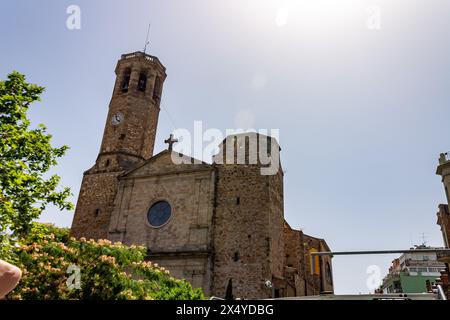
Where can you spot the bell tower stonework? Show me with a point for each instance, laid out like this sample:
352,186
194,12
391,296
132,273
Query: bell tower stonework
218,225
128,140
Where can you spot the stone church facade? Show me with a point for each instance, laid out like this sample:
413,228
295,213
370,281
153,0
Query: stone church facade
220,225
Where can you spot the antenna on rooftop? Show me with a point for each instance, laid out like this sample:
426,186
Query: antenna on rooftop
146,39
424,242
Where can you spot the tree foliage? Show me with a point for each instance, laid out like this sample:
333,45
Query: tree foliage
26,156
49,260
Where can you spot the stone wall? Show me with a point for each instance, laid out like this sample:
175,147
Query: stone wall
444,222
95,204
326,273
297,248
125,144
312,275
140,109
276,223
242,235
318,279
248,224
227,220
183,244
294,261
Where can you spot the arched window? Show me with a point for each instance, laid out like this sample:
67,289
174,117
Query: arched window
157,89
142,84
126,80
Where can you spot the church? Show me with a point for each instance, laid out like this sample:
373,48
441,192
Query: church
218,225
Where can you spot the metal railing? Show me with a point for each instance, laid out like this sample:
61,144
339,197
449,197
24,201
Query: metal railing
337,253
440,292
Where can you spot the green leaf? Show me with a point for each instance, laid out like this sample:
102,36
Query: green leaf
26,156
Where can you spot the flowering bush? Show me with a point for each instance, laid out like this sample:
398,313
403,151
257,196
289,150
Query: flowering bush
56,266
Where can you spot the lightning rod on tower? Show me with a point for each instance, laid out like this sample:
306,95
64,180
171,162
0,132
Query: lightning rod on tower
146,39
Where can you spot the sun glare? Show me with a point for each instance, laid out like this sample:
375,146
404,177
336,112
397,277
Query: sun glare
282,17
317,12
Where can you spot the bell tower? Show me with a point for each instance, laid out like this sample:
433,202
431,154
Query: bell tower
128,140
130,127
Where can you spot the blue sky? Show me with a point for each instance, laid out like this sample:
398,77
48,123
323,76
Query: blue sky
363,114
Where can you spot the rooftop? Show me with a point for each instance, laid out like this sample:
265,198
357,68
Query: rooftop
139,54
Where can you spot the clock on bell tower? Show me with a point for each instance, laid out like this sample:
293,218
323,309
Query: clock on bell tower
130,129
128,139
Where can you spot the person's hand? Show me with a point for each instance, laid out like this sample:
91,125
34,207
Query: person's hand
9,277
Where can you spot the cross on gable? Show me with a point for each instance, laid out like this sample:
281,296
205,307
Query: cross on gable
170,141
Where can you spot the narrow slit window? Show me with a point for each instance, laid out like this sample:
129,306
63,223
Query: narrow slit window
142,84
157,89
447,194
126,81
236,256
